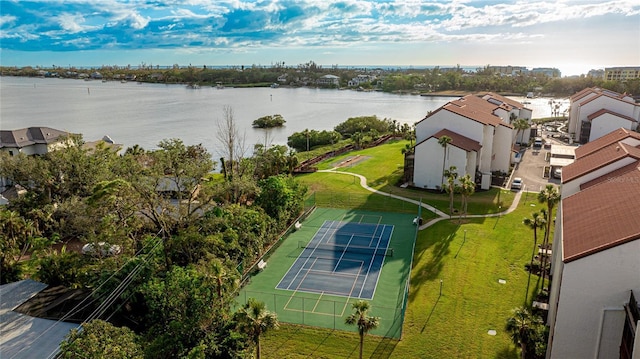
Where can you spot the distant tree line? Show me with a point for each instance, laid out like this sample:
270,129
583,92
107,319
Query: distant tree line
388,80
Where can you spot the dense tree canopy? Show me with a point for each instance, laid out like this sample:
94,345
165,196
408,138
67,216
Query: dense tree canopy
308,139
183,233
364,124
269,121
101,340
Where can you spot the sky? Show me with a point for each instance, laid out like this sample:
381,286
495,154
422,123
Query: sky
574,36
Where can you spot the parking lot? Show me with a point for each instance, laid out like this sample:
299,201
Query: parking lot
531,170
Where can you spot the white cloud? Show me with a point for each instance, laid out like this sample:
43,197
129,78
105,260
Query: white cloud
7,19
71,22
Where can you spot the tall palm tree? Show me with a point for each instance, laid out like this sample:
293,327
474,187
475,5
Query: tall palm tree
467,189
255,320
444,141
536,221
521,125
364,322
451,174
523,328
225,281
549,196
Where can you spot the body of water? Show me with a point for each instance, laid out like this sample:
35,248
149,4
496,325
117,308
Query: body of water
144,114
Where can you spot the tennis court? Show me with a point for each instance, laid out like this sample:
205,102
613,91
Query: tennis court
335,258
343,258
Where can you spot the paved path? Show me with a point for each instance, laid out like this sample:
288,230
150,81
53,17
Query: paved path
440,215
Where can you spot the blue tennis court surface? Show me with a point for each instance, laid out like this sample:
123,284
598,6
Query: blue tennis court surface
343,258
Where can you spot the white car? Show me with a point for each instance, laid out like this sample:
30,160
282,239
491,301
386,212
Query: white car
102,249
557,173
516,183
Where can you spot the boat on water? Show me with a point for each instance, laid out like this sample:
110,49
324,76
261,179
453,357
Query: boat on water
219,85
193,86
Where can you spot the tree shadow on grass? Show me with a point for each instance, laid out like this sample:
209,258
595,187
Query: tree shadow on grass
430,314
438,245
385,348
509,352
388,179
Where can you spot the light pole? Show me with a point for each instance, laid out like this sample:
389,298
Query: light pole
307,133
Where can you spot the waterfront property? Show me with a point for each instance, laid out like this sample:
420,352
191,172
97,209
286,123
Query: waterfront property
595,112
595,266
482,139
32,140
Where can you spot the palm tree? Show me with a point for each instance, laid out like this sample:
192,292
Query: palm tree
536,221
255,320
444,142
364,322
523,328
521,125
358,139
451,174
549,196
225,280
467,189
407,150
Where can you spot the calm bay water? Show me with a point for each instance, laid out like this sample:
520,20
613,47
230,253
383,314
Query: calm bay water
144,114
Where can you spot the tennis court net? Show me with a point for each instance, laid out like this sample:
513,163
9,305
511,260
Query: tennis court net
387,252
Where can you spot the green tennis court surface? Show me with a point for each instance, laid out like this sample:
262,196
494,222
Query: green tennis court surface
318,271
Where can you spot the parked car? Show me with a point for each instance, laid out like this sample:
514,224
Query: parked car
516,183
557,173
538,142
102,249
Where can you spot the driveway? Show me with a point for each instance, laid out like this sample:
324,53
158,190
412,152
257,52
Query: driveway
531,170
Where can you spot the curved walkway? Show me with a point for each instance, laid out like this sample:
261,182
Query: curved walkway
441,215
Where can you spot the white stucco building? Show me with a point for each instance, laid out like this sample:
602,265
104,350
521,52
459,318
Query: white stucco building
596,252
482,139
595,112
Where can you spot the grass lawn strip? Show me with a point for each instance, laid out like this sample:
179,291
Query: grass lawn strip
482,273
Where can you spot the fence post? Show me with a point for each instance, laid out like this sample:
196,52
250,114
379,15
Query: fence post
334,314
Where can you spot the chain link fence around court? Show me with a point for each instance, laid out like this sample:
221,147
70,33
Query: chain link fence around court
360,201
305,309
308,308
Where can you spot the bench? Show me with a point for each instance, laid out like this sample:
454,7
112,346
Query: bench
262,264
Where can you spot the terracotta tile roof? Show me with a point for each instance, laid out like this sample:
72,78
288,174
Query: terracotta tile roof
611,176
603,215
580,94
611,137
29,136
598,159
476,109
604,110
508,101
458,140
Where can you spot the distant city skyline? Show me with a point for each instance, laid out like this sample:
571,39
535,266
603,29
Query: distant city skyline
574,36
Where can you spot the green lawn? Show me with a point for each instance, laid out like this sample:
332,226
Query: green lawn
454,324
382,166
